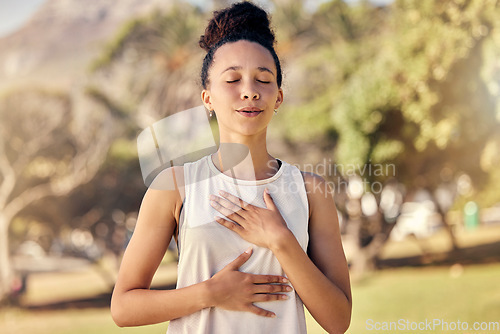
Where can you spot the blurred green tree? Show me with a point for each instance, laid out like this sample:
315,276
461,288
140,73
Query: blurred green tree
150,67
413,84
148,71
50,143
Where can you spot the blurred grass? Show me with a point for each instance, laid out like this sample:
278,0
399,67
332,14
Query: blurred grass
449,293
469,293
74,321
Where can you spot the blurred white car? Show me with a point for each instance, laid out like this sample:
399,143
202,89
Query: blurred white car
418,218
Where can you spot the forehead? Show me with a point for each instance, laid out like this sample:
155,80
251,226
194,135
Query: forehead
243,54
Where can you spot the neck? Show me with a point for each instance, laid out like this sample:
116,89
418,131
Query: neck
245,158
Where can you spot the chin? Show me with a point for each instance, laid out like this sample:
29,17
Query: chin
247,131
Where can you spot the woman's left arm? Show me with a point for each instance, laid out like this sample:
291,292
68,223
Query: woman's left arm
321,279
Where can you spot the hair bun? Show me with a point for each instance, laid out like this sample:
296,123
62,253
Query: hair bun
241,18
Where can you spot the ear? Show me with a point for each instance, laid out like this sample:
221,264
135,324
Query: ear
206,99
279,99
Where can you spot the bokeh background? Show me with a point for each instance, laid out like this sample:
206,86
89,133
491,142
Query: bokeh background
394,103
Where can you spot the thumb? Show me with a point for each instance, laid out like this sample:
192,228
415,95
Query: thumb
238,262
268,200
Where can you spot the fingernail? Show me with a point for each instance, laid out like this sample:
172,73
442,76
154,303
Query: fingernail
249,250
288,288
222,192
267,191
285,280
273,315
284,297
212,197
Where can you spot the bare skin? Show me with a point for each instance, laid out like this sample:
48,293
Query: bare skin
243,75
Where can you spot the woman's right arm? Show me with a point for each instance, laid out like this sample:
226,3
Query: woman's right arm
134,304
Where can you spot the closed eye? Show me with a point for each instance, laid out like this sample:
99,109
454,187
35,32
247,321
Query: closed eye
232,81
265,82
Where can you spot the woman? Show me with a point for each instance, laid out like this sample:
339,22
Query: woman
258,240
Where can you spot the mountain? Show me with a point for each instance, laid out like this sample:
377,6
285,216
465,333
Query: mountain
57,42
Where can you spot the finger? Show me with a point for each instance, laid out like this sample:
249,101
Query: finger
242,258
235,200
267,297
259,311
230,225
259,279
226,204
225,211
269,200
271,288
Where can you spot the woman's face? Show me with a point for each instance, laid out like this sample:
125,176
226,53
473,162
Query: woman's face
242,90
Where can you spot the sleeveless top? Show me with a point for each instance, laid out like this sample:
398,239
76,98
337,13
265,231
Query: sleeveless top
205,247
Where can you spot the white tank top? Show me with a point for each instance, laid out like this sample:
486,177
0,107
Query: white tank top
205,247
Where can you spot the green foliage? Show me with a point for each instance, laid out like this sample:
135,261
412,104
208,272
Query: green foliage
158,33
415,84
123,151
397,85
114,47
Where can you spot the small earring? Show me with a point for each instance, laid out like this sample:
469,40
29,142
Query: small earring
211,113
275,111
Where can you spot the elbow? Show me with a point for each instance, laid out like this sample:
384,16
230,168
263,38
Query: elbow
342,323
117,317
339,327
119,322
118,313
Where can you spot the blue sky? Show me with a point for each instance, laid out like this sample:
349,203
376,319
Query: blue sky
13,13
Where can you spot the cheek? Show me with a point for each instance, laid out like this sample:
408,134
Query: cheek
222,92
271,92
220,97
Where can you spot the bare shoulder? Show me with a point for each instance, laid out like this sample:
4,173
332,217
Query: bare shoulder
317,187
169,179
166,194
311,178
318,192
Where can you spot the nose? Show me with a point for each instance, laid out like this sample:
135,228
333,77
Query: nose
249,92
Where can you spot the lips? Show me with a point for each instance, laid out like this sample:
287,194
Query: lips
249,111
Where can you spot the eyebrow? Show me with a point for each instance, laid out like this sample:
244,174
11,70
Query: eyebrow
236,68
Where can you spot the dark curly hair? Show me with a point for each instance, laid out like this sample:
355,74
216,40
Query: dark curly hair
241,21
